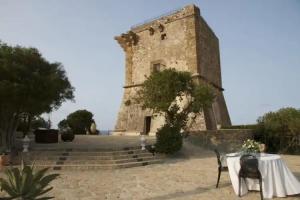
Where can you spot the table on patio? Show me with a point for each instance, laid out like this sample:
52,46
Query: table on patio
277,179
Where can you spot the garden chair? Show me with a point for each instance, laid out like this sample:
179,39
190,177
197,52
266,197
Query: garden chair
249,169
222,166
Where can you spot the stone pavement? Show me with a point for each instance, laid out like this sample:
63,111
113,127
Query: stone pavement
180,178
98,142
189,175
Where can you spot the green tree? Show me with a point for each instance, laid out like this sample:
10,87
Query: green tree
280,130
29,84
36,122
63,124
174,95
80,121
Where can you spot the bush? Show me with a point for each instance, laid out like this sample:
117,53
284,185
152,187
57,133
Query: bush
168,139
80,121
280,130
63,124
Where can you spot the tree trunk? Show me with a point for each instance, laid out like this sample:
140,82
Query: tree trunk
3,139
8,128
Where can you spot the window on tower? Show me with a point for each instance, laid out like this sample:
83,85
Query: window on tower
157,67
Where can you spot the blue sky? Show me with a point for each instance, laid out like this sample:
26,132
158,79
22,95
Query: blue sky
259,44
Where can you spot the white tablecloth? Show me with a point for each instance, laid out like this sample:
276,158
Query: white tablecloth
277,179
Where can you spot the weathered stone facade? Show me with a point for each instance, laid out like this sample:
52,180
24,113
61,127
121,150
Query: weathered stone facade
180,40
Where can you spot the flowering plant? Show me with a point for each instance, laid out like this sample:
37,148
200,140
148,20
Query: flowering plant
250,146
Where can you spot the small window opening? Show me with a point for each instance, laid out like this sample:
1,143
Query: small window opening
157,67
163,36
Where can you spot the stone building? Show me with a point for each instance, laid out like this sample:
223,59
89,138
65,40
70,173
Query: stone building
182,40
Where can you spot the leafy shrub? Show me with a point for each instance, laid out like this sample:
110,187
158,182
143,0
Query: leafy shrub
67,135
63,124
168,139
26,184
80,121
175,95
280,130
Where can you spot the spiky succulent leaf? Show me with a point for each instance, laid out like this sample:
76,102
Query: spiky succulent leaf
40,174
44,191
17,176
47,179
27,180
45,198
11,180
7,188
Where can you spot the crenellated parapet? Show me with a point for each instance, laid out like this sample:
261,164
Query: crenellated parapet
127,39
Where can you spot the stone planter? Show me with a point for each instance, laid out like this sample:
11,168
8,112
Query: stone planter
67,137
46,136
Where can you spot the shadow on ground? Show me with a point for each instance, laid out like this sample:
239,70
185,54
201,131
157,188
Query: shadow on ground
182,194
297,174
189,151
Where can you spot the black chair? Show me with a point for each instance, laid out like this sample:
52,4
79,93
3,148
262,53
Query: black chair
220,166
249,169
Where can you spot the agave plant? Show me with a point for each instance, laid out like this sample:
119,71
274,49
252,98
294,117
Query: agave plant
27,184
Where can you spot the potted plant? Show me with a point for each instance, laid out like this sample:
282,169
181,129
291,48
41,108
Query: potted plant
4,158
67,135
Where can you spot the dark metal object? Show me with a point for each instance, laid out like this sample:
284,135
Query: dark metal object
220,166
46,136
249,169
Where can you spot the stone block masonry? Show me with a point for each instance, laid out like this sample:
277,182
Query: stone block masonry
225,140
180,40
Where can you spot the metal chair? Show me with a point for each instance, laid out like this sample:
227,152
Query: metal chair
220,166
249,169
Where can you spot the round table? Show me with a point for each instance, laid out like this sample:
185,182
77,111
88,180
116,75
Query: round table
277,179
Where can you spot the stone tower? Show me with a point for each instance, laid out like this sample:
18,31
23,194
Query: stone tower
182,40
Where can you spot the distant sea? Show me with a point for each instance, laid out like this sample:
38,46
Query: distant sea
105,132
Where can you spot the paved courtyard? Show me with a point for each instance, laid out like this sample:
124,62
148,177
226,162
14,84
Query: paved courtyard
189,175
97,141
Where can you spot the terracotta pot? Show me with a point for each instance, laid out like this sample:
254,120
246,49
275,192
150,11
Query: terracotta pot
4,160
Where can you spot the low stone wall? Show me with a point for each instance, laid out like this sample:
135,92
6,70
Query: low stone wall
225,140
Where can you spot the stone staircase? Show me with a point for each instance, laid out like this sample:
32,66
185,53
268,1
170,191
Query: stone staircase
86,159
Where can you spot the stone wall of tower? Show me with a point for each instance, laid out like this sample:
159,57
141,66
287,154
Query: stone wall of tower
180,40
177,50
209,69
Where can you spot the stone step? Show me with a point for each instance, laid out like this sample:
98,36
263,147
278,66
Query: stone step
88,157
99,166
82,149
87,162
87,153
